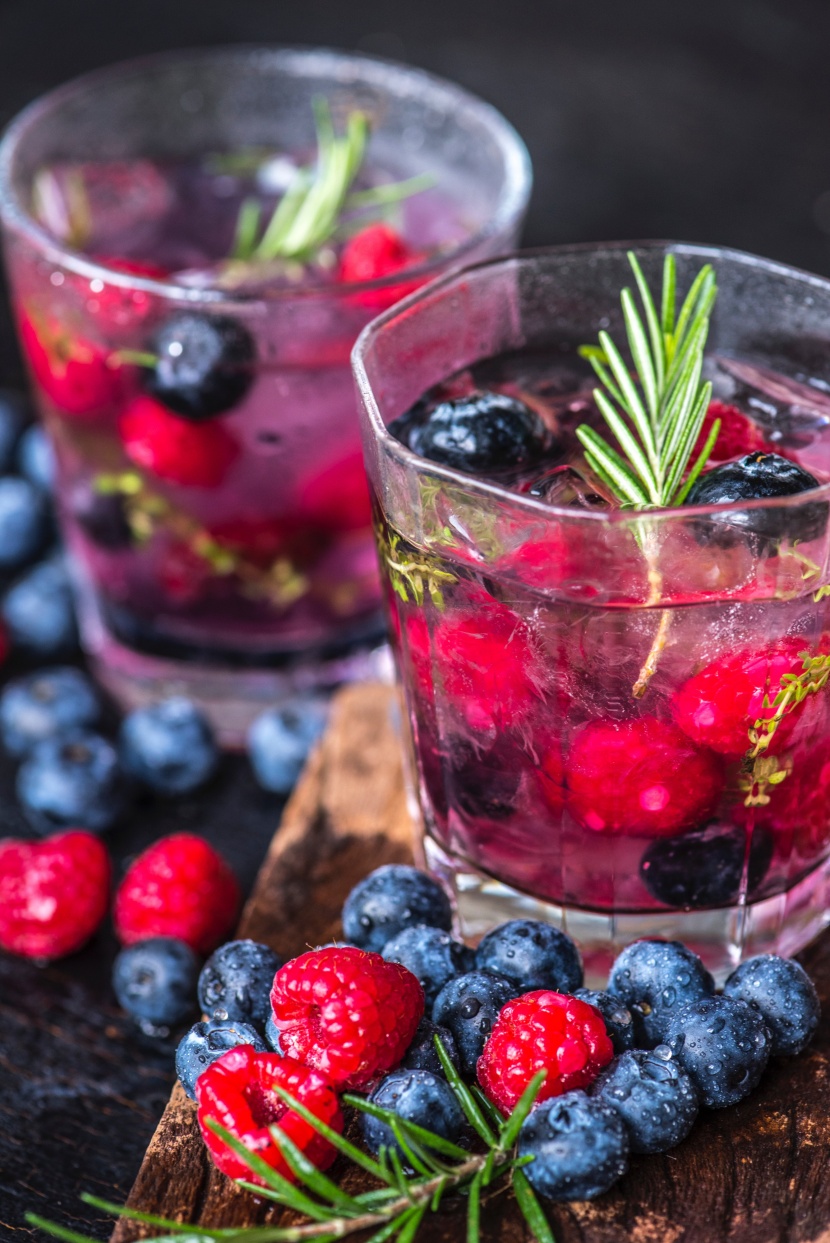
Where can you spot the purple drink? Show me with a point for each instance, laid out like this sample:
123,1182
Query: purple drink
188,285
619,717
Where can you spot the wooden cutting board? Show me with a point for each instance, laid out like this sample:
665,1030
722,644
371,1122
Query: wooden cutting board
756,1173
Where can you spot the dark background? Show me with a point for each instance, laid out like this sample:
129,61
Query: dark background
706,121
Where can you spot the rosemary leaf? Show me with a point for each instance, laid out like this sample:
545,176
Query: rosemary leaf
531,1209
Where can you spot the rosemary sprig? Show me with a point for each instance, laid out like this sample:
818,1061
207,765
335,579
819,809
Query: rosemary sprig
656,418
309,214
392,1210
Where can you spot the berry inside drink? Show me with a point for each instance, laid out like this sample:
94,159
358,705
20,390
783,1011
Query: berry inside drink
619,722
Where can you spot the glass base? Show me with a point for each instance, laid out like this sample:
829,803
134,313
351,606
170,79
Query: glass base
231,697
723,937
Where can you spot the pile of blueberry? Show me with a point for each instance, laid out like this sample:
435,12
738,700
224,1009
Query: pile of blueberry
627,1068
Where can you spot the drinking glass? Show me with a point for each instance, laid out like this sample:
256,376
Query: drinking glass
231,559
572,670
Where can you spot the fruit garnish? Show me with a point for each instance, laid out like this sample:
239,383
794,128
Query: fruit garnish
76,375
655,418
753,477
204,364
319,201
482,433
194,456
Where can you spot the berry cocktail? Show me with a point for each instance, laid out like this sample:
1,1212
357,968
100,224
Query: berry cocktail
604,526
194,242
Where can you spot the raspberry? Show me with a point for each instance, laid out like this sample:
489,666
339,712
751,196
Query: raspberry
337,499
53,894
546,1031
119,305
373,253
346,1012
192,455
544,563
718,706
641,777
488,665
237,1091
738,434
75,374
179,887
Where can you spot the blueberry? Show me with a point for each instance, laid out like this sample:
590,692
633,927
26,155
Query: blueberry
205,1043
168,746
272,1035
280,739
237,980
205,364
72,780
36,458
155,981
422,1054
723,1045
102,516
481,782
12,422
25,522
655,979
532,954
483,433
655,1098
45,703
39,611
785,997
617,1018
755,476
415,1096
704,868
469,1006
579,1147
390,899
431,955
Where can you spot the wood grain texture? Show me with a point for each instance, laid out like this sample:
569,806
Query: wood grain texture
756,1173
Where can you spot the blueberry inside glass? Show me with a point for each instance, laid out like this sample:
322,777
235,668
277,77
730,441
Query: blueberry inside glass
603,487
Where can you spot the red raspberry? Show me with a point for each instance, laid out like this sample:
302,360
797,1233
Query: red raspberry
53,893
641,777
543,1031
488,665
718,706
195,455
75,374
237,1091
346,1012
179,887
378,251
338,498
738,434
543,563
119,305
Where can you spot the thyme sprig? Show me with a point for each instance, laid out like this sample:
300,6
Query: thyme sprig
395,1208
655,417
310,212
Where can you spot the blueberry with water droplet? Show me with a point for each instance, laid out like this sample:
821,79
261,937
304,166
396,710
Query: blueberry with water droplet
579,1146
422,1053
655,979
617,1018
237,978
723,1045
204,366
781,991
206,1042
392,898
469,1006
431,955
653,1095
532,954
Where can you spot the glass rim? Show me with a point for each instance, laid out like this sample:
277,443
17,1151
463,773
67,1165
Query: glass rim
514,195
536,506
